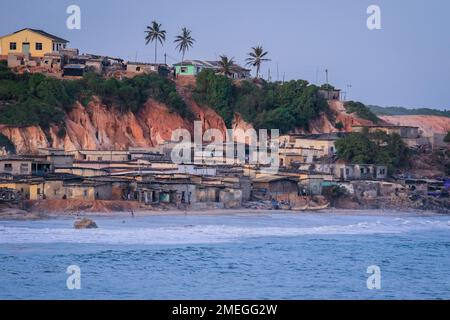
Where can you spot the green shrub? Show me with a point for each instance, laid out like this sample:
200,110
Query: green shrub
339,125
378,148
7,144
447,137
283,106
39,100
361,111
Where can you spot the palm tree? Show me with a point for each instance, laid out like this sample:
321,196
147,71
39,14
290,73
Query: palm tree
184,41
256,57
225,65
154,33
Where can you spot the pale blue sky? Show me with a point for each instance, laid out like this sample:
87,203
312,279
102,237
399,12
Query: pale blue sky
406,63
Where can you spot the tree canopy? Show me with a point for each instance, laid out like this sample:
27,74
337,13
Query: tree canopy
376,148
40,100
269,105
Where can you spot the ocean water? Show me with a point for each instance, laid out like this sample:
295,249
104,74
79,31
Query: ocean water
235,256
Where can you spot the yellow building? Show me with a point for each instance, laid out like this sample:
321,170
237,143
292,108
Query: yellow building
28,190
32,41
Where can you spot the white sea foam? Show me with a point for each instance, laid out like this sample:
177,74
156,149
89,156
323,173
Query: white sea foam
210,233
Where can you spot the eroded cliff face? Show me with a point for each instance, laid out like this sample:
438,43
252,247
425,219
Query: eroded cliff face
428,124
98,127
101,128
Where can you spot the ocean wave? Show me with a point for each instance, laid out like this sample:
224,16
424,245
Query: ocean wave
210,233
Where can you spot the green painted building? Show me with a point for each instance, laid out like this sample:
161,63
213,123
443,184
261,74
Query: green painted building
193,67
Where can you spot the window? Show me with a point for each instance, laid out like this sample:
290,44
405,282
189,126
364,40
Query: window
362,170
24,168
100,159
138,69
38,190
183,69
8,166
12,46
85,193
39,46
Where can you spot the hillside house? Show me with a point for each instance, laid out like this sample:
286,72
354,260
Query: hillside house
16,165
324,142
332,94
53,61
146,68
194,67
31,41
345,171
410,135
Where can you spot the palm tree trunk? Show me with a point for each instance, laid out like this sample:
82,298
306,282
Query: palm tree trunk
156,50
257,71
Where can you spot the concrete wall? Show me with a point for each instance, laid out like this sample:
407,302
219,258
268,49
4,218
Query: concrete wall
326,146
15,167
26,36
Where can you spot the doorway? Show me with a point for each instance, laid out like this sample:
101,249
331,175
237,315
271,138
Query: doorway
25,47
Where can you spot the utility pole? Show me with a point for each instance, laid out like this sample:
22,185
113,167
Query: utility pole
278,75
349,86
317,75
269,77
165,58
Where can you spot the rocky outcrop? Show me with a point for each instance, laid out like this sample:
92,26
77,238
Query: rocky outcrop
85,223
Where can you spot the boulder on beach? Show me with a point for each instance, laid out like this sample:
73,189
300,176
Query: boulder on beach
85,224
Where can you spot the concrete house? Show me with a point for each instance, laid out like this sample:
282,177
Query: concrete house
146,68
274,187
25,189
194,67
67,186
324,142
16,165
53,61
332,94
31,41
344,171
410,135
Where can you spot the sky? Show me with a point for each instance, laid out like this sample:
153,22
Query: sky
405,63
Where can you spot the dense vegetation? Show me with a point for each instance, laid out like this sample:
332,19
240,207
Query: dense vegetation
400,111
375,148
274,105
7,144
361,111
447,137
39,100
